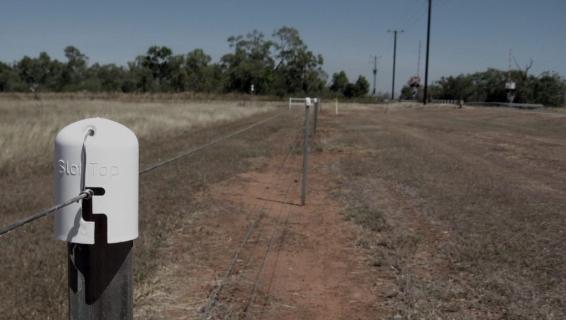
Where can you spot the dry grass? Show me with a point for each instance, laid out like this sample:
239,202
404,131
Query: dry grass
465,206
28,126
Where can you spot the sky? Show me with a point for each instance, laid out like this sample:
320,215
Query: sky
466,36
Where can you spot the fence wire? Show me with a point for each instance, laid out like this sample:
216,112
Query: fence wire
280,228
204,146
45,212
42,213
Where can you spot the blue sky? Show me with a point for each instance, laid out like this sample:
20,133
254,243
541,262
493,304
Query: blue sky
467,35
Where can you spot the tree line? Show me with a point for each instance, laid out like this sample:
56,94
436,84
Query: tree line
547,88
280,65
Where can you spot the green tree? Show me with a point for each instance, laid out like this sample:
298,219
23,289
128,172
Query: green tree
549,89
361,87
41,73
9,79
298,70
74,71
250,63
142,76
199,73
177,78
157,71
339,83
106,78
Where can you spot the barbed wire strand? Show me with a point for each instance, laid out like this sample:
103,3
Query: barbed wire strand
82,195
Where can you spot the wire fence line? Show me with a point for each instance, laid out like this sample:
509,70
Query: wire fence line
42,213
281,224
206,145
213,297
45,212
280,228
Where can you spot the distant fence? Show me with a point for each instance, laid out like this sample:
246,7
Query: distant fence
505,104
445,101
482,103
435,101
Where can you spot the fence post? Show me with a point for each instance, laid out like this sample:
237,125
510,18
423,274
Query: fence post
305,153
336,106
315,122
100,281
101,228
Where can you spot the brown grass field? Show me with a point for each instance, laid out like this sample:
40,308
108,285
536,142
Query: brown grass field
412,212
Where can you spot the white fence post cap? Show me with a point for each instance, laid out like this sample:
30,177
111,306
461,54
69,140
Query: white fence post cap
112,164
308,102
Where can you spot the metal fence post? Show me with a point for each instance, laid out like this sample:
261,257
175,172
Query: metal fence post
98,157
305,154
100,281
315,122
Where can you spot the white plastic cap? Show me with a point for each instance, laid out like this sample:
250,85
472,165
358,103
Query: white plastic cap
308,102
112,163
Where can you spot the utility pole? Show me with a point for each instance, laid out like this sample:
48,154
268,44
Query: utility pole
395,32
425,96
419,61
375,58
